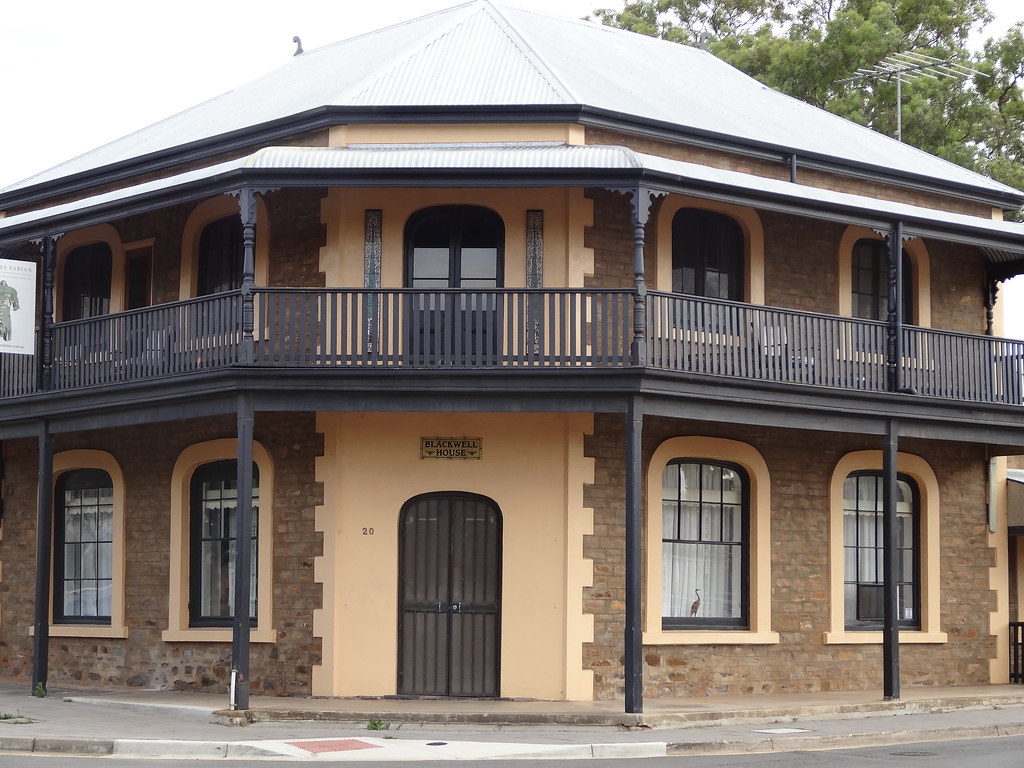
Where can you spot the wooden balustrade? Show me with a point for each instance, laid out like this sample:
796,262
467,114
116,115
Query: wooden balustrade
518,329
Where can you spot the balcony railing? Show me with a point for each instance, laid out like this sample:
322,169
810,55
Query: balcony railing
514,330
752,342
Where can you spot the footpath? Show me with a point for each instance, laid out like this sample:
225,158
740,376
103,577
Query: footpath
181,724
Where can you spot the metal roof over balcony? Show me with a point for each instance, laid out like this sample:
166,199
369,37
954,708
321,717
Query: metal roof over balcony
541,164
485,62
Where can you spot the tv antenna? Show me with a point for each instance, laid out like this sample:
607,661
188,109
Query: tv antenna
910,66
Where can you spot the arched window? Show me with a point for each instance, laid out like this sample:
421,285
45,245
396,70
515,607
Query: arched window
707,255
213,506
454,246
83,547
86,287
864,551
220,256
705,535
870,281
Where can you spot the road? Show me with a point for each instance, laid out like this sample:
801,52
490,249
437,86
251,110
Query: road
990,753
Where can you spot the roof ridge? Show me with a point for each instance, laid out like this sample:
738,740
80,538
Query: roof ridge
543,68
462,15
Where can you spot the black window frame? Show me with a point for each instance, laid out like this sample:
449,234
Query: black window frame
220,256
70,481
876,272
222,470
869,591
87,275
741,622
709,243
459,220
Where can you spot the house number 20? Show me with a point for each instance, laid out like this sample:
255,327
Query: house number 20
367,531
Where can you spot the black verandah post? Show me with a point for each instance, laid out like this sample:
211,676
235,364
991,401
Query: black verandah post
44,535
633,657
633,661
890,567
891,564
241,625
46,323
247,206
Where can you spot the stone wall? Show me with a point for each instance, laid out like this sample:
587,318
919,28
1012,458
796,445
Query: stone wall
800,464
147,455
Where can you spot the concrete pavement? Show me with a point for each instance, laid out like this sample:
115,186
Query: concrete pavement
169,723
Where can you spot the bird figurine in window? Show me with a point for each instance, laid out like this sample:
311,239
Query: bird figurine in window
695,605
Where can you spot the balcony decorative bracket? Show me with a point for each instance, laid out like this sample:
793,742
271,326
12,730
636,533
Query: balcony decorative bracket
991,295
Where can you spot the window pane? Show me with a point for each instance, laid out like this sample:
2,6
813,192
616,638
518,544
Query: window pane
863,536
707,254
214,515
83,545
703,575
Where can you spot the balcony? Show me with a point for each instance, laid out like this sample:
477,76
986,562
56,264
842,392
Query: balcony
515,330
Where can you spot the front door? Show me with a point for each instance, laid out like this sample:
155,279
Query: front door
449,596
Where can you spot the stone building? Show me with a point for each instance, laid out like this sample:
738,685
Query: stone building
540,378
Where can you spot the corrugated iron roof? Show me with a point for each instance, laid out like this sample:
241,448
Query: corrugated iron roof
481,54
554,163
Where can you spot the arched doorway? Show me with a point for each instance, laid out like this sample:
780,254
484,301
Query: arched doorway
449,600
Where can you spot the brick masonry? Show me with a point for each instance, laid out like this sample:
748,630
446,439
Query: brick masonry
147,455
800,464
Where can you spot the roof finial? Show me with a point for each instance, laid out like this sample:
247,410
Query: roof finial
298,45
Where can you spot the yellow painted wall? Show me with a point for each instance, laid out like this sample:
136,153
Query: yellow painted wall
439,133
566,213
534,470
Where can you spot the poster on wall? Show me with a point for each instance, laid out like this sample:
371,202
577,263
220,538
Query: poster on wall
17,307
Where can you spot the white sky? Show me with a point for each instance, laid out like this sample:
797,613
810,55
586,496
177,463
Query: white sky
75,75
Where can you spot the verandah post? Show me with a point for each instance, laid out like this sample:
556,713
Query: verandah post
890,566
633,640
241,624
247,206
44,535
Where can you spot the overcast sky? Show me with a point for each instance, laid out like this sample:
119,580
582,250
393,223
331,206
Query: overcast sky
76,74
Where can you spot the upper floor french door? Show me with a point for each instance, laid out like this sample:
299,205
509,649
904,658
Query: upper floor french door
454,246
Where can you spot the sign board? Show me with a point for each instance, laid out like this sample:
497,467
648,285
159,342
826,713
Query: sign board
451,447
17,307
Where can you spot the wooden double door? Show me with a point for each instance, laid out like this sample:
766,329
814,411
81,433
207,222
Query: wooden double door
449,596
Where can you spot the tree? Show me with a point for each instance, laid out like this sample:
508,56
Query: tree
806,47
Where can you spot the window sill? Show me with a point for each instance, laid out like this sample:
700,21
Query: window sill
83,630
215,635
875,638
710,637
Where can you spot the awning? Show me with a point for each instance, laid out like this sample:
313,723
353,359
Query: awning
521,165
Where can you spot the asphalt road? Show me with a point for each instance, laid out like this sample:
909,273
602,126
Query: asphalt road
990,753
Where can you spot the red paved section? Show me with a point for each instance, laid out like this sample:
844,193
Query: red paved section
332,745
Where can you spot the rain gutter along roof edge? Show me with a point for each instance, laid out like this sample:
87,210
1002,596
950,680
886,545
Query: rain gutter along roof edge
329,116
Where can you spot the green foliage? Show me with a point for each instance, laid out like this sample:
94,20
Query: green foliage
39,691
806,47
377,725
